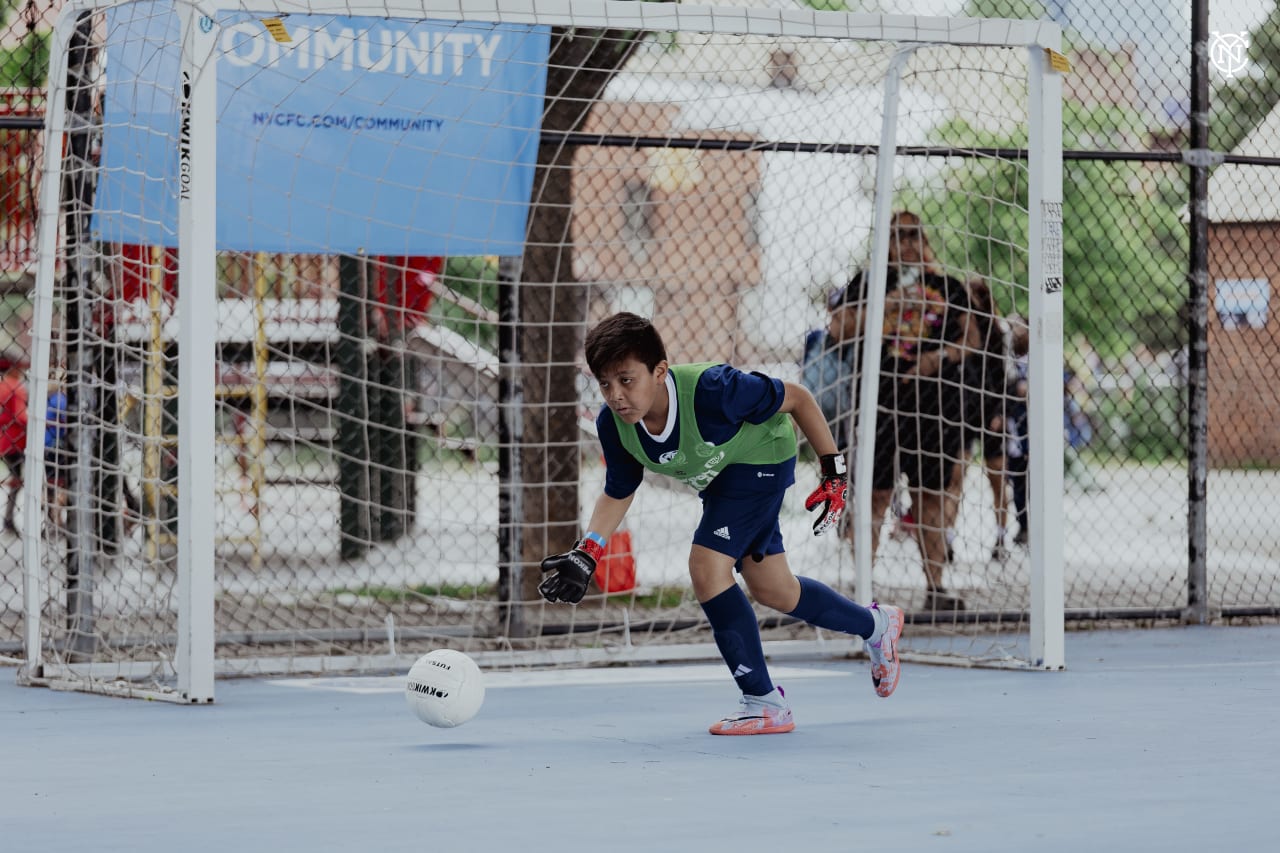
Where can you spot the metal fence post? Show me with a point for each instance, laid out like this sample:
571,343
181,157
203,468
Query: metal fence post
1197,610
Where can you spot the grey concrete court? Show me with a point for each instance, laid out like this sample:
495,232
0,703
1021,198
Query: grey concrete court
1151,740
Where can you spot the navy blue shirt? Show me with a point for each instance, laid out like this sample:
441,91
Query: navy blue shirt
725,399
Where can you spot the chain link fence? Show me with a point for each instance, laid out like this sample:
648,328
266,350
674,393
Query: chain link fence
1170,410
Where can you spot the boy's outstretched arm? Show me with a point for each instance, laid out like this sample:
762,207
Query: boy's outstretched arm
569,574
607,516
834,488
799,402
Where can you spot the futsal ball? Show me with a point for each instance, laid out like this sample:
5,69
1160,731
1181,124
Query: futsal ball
445,688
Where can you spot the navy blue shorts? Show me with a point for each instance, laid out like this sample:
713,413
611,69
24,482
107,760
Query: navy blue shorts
741,527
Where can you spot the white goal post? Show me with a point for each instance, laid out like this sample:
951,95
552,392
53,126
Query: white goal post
731,171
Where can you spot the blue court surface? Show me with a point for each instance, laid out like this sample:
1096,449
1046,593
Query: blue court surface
1159,739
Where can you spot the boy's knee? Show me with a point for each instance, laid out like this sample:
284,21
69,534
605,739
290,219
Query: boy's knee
709,576
775,596
772,584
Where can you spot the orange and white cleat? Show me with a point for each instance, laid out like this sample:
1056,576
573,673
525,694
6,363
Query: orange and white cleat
883,650
758,715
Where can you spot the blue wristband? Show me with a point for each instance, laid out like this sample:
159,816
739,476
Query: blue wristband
592,536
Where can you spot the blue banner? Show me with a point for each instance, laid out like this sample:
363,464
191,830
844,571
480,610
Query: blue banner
369,135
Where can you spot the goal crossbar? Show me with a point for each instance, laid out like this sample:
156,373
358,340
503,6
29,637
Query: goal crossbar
632,15
195,644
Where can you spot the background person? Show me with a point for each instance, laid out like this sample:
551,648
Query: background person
986,379
1017,437
13,431
920,426
828,367
57,455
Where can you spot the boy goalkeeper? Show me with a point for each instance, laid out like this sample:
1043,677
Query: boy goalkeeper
728,434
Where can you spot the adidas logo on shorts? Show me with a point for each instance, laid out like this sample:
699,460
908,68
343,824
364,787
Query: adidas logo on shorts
723,532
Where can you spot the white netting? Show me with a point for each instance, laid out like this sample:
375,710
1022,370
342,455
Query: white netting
374,183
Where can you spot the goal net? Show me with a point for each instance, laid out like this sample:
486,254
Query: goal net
314,279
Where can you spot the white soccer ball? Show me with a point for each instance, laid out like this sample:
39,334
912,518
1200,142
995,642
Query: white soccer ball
445,688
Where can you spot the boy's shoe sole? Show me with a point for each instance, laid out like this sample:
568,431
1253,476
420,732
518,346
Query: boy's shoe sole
885,675
756,718
753,726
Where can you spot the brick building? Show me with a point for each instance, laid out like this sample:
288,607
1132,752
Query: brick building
667,232
1244,331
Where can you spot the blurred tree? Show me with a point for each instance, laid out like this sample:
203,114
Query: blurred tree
1017,9
25,65
474,279
553,304
1124,244
1241,103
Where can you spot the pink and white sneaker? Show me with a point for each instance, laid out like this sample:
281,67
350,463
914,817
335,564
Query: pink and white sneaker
758,715
885,667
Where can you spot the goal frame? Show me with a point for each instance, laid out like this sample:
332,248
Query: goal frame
1044,277
195,650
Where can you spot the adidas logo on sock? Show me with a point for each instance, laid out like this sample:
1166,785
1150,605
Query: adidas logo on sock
741,671
723,532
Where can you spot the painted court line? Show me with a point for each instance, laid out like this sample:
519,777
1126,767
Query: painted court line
561,678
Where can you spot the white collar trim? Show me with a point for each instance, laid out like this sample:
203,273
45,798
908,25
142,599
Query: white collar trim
671,413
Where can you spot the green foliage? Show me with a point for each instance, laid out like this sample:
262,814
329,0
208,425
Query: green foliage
1025,10
475,280
661,598
1124,245
1145,423
400,594
465,452
26,64
1240,104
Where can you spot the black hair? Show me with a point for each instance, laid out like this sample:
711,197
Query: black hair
855,292
851,294
622,336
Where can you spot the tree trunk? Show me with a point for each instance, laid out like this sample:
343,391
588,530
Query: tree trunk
553,305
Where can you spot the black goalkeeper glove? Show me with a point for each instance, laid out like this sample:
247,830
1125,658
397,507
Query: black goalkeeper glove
830,494
569,574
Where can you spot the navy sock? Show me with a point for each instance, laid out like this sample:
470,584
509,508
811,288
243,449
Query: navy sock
737,635
822,606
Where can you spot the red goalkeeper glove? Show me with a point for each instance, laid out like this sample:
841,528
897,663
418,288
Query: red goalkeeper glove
569,574
830,494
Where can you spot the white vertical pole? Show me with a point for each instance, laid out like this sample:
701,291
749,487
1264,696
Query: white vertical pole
42,334
197,341
1044,498
873,331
